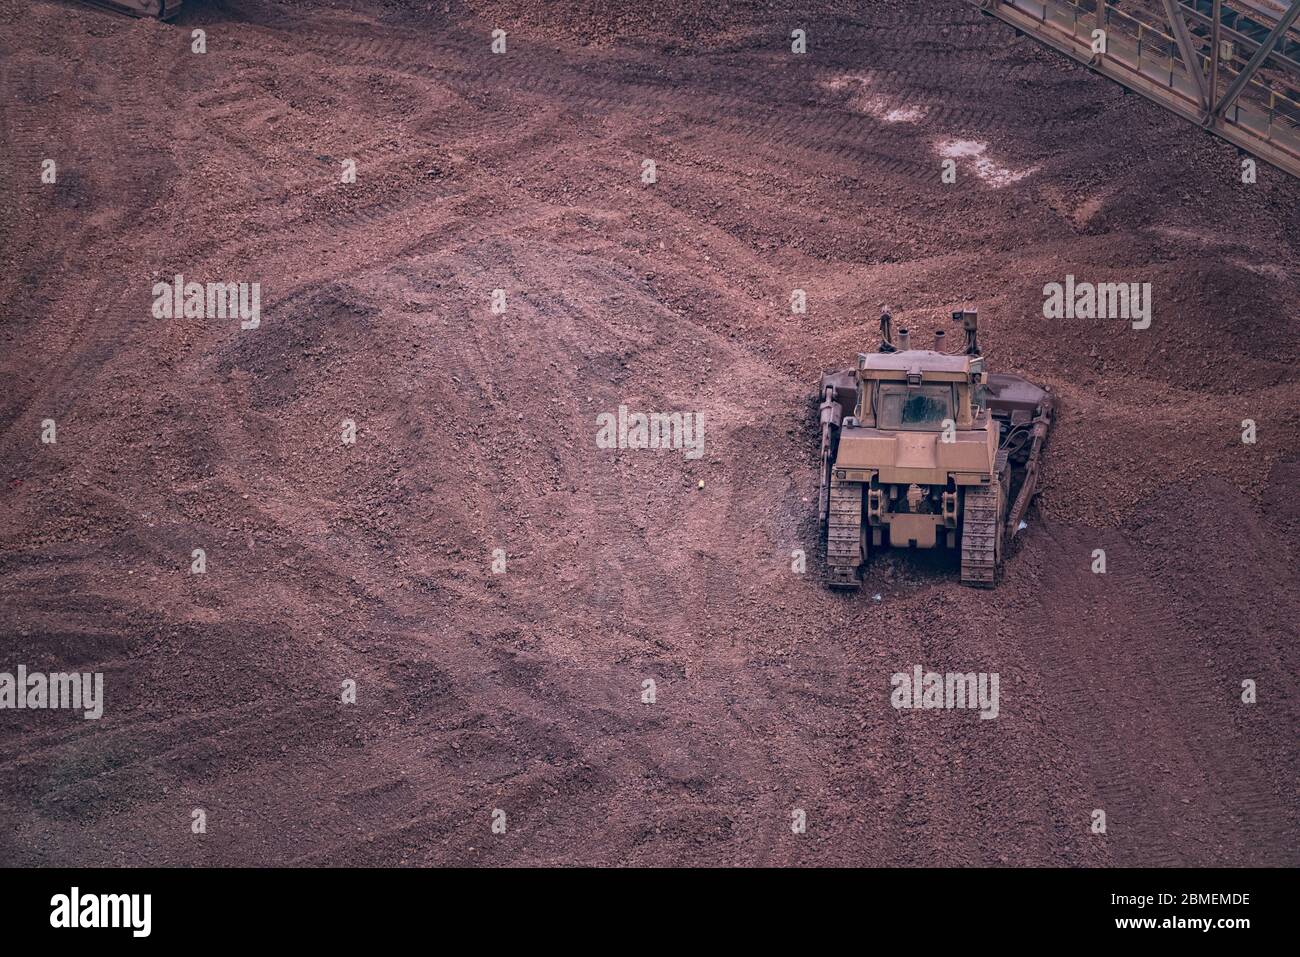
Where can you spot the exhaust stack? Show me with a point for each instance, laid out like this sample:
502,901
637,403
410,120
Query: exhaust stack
904,340
940,340
969,319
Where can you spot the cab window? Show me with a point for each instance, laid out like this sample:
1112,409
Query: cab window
920,407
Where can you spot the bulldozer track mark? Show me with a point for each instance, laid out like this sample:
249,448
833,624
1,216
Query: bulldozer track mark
1125,684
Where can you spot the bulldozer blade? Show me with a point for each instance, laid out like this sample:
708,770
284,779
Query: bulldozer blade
1042,425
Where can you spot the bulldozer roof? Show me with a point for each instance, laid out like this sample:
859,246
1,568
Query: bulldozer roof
923,360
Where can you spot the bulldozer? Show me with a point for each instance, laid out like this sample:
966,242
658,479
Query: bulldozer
924,448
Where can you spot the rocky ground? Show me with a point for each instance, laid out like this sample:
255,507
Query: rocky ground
522,692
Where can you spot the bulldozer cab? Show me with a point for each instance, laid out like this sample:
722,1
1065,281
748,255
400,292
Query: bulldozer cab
919,390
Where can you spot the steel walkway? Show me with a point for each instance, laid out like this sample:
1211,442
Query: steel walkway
1243,82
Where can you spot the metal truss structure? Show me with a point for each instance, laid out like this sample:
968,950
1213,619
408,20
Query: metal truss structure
1232,66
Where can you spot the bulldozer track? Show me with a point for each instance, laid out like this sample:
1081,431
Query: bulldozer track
844,534
981,528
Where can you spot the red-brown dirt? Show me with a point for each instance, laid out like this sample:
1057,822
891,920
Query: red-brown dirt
522,692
